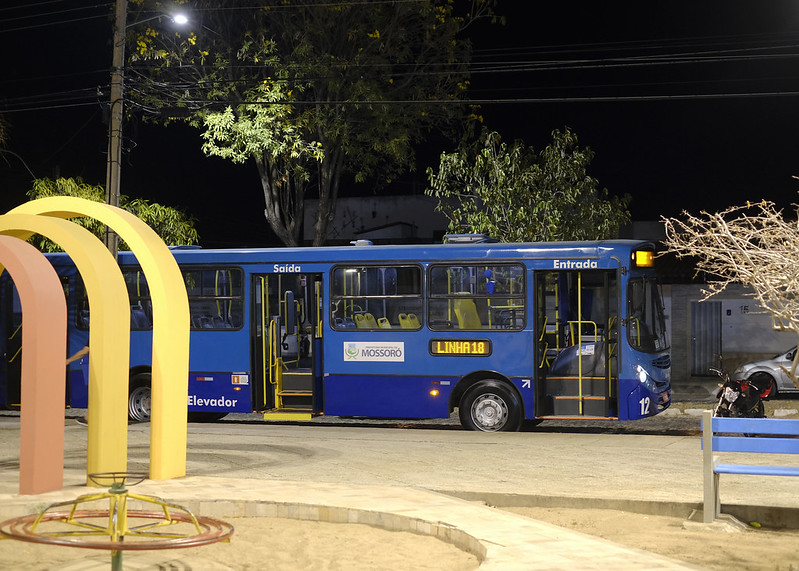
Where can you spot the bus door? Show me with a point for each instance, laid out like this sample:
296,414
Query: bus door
577,350
11,351
287,344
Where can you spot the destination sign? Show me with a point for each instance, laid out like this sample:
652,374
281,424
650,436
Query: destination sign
460,347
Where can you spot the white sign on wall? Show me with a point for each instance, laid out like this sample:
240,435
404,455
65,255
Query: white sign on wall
374,351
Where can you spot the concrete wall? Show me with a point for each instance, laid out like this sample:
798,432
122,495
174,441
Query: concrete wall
746,331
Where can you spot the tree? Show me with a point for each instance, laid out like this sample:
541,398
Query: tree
310,91
753,245
173,226
515,195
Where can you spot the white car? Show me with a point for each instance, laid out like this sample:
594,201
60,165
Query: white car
774,370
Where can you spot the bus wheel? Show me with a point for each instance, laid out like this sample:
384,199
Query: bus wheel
139,398
490,406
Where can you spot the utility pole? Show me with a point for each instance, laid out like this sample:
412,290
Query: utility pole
114,165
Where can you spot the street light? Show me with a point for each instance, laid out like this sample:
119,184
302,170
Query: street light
114,164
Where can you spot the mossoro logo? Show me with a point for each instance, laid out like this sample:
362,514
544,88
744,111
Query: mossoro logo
374,351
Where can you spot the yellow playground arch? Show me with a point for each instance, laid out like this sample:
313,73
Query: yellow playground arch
109,303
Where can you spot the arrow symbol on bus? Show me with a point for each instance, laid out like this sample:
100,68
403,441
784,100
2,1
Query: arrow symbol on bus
525,383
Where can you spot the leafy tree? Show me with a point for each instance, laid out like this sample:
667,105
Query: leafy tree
753,245
172,225
310,91
516,195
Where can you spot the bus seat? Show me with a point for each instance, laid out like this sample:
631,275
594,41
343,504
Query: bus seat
404,321
344,322
202,322
384,323
138,319
365,321
466,312
414,321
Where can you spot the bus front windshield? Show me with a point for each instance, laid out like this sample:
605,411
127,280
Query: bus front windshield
647,321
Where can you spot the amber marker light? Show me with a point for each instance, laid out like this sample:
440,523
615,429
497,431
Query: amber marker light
644,258
434,393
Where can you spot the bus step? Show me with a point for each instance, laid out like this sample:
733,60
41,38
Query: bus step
577,406
296,399
288,415
298,380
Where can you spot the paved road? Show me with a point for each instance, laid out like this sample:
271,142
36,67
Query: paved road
545,463
657,459
355,469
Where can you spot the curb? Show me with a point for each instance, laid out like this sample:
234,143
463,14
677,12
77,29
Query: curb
777,517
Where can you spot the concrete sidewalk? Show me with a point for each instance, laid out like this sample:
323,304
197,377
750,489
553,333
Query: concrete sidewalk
383,477
500,540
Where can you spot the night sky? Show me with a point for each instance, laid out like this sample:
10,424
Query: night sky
687,105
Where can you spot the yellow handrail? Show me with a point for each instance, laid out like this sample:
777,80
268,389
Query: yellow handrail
17,330
264,355
579,330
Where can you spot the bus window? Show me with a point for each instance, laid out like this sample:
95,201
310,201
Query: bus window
376,297
141,312
215,298
647,330
477,297
141,308
81,304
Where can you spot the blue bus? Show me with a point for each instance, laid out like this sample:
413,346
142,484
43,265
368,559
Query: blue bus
502,333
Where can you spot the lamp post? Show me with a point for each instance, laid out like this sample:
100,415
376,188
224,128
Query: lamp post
114,165
117,108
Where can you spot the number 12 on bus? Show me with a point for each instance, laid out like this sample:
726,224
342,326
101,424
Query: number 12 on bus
502,333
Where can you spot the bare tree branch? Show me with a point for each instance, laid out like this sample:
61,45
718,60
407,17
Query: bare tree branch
753,245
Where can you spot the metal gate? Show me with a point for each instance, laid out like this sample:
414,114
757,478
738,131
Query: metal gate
705,337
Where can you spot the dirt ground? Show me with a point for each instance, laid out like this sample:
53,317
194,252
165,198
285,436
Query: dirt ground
262,544
754,550
281,544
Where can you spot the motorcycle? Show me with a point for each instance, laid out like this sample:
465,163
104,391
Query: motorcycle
737,398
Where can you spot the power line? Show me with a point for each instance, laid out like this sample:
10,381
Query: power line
507,66
46,24
46,107
57,12
30,5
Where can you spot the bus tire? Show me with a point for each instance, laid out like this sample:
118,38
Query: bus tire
139,398
491,406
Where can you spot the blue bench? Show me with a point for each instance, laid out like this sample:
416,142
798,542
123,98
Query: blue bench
766,435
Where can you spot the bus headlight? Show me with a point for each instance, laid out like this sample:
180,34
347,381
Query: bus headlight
644,378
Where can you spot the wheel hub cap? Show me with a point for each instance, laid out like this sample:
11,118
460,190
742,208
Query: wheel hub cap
490,412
